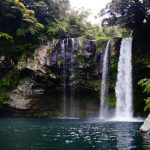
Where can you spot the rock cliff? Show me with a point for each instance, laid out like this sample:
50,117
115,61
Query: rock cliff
72,66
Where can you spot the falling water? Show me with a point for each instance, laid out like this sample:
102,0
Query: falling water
64,79
72,109
124,81
104,87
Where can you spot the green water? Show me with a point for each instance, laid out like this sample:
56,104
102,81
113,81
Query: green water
70,134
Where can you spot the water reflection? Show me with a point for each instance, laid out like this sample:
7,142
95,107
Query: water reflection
73,134
146,141
124,136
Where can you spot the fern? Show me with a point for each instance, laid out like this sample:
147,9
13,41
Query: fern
7,36
146,84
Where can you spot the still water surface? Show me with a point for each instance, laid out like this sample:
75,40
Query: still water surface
70,134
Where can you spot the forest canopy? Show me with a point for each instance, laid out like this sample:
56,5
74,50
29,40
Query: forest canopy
53,18
25,23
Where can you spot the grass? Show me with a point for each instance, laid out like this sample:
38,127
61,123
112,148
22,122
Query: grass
103,38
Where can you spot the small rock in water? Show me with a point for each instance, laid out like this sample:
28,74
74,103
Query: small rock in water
146,126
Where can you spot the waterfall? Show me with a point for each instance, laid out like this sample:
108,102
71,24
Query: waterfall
72,76
63,78
104,86
123,87
68,68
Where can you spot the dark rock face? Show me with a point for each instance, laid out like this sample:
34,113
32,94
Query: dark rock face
115,47
72,66
69,63
66,50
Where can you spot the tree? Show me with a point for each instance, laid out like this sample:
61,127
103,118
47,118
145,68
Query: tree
128,13
76,22
29,22
21,20
64,6
45,11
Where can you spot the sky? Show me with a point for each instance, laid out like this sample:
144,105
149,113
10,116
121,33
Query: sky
94,5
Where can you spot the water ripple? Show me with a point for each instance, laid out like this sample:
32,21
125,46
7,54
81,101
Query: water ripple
75,134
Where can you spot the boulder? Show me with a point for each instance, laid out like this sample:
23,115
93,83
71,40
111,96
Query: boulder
21,97
146,126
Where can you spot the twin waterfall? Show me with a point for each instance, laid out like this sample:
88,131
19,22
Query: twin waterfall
123,89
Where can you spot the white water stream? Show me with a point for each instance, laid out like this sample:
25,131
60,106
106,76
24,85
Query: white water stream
64,80
72,103
104,86
123,87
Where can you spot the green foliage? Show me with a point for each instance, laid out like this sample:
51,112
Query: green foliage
5,35
7,83
27,47
48,50
101,41
103,38
96,84
59,63
3,97
146,84
91,31
120,11
84,64
46,75
80,55
10,80
126,32
64,6
80,59
52,29
110,31
112,99
6,42
29,22
75,56
26,21
113,67
147,107
77,26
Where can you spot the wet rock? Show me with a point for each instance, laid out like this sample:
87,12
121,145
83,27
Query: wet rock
146,126
2,58
49,66
39,59
53,76
98,56
115,46
100,63
19,98
87,54
6,62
